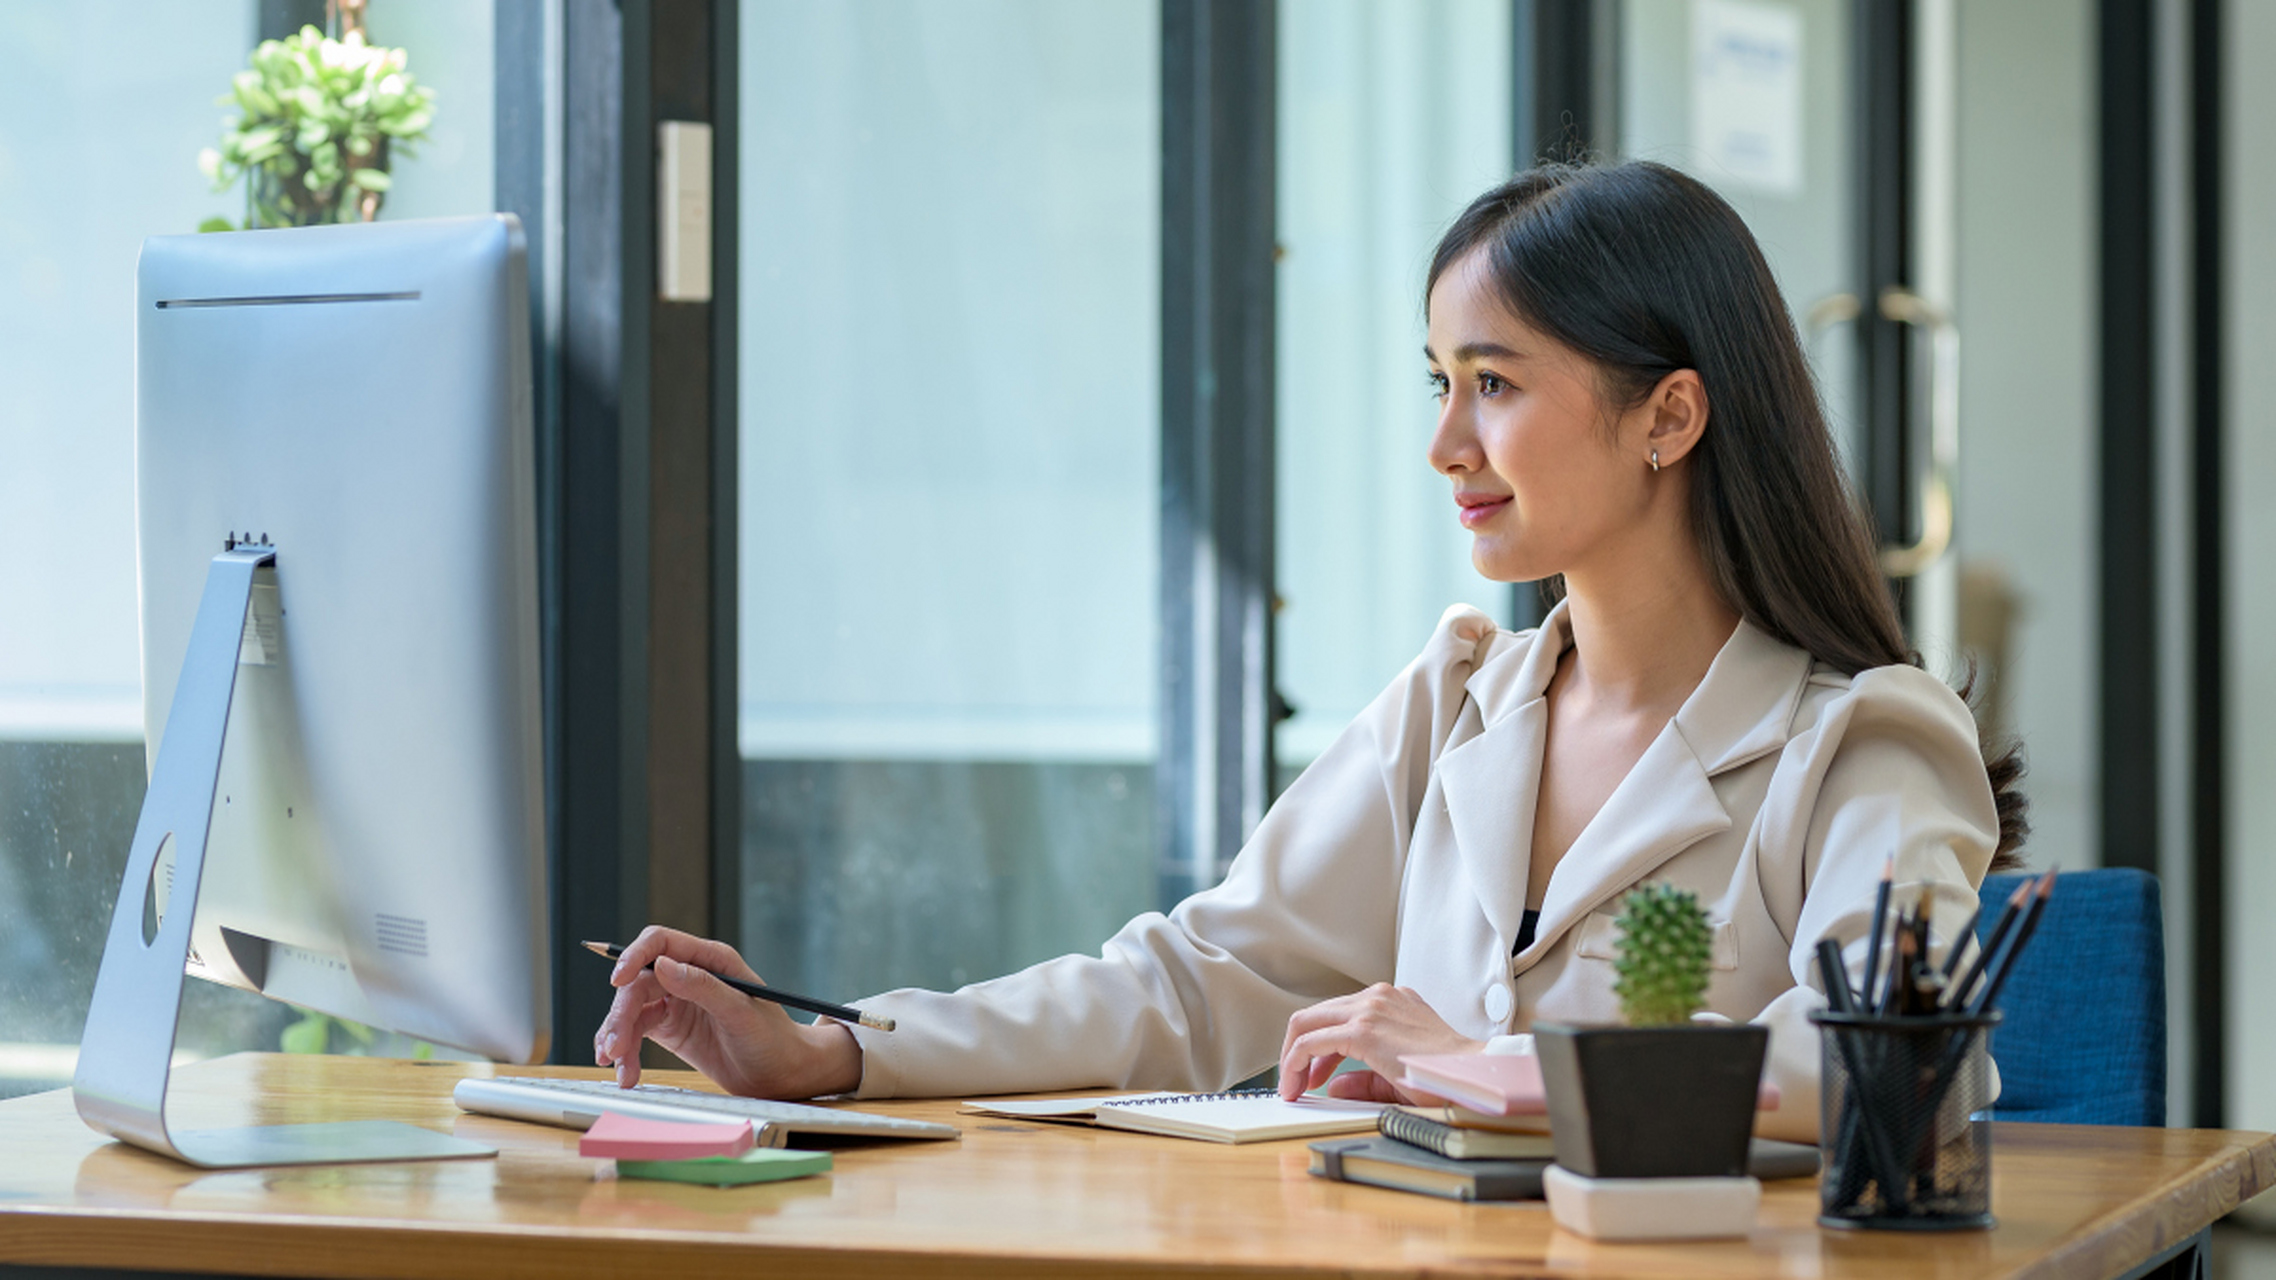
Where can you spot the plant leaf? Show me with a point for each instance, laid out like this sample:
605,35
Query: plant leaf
312,1034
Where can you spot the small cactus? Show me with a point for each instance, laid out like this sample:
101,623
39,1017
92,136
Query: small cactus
1665,944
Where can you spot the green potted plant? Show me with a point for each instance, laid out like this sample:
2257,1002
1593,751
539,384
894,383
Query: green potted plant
1662,1096
320,121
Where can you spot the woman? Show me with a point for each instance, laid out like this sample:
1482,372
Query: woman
1722,699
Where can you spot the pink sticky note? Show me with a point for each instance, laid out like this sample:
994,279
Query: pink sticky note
616,1137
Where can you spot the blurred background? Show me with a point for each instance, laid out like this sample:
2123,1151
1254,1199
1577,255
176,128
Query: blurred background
1041,485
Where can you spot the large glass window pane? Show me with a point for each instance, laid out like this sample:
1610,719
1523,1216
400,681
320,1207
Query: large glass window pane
949,439
103,111
1391,119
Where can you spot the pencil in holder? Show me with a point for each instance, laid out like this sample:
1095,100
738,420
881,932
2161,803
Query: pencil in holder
1901,1144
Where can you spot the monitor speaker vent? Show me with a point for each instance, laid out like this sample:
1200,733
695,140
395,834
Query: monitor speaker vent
402,935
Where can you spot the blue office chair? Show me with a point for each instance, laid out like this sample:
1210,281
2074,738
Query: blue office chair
2082,1039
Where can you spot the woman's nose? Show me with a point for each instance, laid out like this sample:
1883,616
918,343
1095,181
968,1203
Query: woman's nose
1453,446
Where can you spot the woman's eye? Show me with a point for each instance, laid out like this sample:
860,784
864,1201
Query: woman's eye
1438,386
1491,385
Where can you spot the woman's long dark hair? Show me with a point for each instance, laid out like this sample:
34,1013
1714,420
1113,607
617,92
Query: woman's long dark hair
1645,271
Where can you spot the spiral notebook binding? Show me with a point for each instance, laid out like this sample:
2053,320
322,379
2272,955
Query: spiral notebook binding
1159,1099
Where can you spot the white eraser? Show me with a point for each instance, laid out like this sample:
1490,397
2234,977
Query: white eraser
1651,1208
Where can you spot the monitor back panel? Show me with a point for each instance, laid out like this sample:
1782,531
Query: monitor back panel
359,396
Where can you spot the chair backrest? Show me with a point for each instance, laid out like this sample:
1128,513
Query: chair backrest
2082,1034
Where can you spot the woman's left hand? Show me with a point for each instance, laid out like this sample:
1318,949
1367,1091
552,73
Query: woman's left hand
1374,1026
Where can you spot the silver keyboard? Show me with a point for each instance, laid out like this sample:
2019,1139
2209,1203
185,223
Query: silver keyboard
576,1104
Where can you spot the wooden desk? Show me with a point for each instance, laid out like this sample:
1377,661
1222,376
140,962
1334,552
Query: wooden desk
1010,1199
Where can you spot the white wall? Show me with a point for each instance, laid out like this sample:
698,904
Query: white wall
2251,461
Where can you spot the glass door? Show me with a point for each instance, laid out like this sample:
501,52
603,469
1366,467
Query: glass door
1920,176
1756,99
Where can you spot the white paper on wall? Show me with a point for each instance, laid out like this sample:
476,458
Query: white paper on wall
1746,93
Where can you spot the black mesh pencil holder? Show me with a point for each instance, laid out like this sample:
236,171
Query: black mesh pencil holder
1899,1141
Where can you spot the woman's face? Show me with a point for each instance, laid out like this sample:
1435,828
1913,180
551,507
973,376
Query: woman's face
1545,475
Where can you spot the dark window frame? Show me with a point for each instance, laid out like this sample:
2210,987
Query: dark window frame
2208,601
1214,765
636,456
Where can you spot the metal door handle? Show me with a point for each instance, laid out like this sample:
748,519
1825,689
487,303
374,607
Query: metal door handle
1903,306
1906,307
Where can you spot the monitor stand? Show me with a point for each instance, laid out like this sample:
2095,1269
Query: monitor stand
128,1049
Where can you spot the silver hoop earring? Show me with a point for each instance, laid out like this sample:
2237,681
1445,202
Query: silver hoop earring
1655,460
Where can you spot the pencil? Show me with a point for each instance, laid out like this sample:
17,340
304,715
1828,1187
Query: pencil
2043,891
1959,944
1900,969
1873,946
873,1021
1958,995
1834,976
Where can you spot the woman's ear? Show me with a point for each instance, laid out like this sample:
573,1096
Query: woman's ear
1675,414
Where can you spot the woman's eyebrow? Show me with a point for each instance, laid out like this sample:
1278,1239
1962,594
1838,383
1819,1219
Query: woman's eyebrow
1473,351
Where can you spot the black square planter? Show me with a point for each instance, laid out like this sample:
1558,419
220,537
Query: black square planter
1652,1102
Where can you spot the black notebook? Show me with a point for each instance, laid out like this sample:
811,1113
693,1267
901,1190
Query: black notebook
1387,1162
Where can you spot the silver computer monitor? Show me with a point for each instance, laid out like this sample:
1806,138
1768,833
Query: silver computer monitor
357,397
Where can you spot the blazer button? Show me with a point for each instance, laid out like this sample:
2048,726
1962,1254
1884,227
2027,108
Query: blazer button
1499,1002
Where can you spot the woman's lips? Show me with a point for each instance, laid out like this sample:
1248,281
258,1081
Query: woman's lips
1478,508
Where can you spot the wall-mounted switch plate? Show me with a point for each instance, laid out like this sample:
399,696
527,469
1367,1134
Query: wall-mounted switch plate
683,211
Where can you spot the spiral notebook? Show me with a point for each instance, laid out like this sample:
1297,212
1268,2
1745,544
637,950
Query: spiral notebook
1248,1115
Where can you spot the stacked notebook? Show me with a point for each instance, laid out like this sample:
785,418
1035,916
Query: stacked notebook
1493,1143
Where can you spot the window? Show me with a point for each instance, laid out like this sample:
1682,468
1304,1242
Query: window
949,451
1392,118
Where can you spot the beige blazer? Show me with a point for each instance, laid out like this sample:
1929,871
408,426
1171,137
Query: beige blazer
1401,855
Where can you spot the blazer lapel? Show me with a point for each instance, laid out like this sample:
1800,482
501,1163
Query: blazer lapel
1490,782
1661,808
1742,710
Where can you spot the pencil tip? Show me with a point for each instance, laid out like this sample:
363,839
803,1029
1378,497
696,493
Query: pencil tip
2047,885
1889,868
597,948
2022,891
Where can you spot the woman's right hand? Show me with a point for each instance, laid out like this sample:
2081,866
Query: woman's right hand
749,1047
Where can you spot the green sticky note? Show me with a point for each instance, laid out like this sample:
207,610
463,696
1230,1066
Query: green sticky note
759,1164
